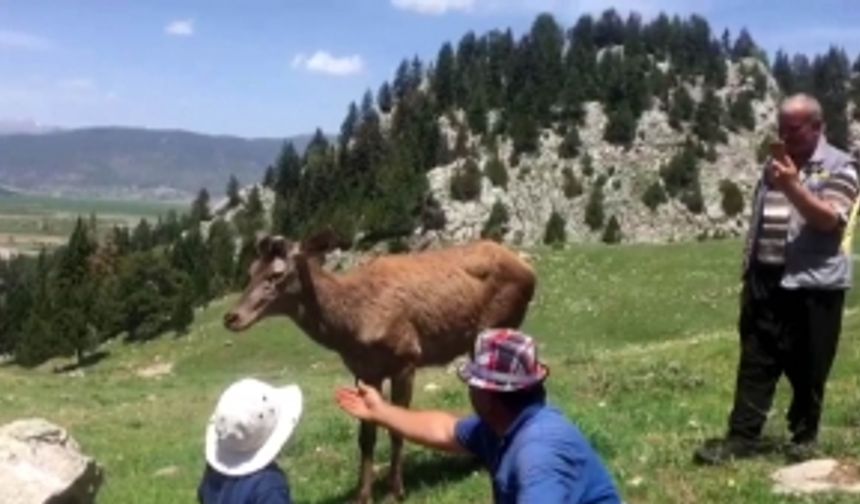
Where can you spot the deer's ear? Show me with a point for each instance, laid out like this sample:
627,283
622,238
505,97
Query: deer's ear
322,242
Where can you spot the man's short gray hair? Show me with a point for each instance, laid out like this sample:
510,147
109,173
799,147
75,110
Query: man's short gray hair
803,102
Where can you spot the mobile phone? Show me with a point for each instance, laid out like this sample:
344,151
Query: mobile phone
777,150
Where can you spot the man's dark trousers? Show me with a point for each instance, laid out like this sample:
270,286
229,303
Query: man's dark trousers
791,331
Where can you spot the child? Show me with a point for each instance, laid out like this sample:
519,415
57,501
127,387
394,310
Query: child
251,423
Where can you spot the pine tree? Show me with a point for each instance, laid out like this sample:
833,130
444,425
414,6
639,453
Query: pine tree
569,147
384,98
741,114
141,237
251,218
121,240
555,233
476,114
681,178
151,289
233,199
187,255
783,73
802,71
16,297
183,308
200,207
220,244
269,177
654,196
594,208
401,80
733,199
496,226
496,171
572,187
745,46
587,164
547,41
38,341
75,293
347,128
443,78
466,182
682,107
831,73
621,128
288,169
708,118
612,233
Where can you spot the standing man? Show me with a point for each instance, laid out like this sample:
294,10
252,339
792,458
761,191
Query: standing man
797,267
534,454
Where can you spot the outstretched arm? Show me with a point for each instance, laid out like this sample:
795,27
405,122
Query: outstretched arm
433,429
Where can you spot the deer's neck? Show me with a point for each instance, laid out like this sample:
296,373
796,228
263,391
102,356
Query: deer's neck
326,310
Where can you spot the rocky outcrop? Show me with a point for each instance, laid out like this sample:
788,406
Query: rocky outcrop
40,463
535,187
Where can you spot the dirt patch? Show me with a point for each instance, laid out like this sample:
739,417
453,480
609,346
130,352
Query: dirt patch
156,370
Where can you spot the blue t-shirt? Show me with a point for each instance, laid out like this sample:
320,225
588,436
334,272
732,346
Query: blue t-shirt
543,459
266,486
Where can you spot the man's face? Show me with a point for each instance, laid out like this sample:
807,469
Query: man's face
799,132
482,403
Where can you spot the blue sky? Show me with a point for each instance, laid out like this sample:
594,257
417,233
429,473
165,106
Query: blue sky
283,67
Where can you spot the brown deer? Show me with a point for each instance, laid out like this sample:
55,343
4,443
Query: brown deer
388,316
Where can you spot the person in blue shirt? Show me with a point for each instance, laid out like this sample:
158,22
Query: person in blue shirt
251,423
534,454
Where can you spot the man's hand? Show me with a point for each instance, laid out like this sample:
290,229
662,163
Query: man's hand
783,173
435,429
362,402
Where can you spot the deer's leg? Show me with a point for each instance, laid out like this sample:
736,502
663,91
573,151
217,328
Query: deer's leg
401,395
367,443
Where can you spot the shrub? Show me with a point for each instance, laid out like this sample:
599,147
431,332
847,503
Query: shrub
466,182
733,199
496,226
555,233
572,186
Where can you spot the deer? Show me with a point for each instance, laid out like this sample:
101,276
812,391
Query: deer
389,316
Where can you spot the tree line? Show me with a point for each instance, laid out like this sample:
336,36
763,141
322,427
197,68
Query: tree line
132,283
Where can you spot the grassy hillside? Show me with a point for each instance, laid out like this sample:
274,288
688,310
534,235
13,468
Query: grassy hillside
640,340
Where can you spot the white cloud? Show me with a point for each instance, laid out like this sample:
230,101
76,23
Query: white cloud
20,40
325,63
180,28
434,7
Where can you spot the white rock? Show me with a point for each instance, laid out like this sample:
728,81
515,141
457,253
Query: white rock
40,462
815,476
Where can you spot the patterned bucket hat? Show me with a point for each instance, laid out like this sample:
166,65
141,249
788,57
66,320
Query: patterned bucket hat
505,361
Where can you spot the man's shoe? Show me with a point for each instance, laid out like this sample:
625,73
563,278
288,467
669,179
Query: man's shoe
720,451
801,451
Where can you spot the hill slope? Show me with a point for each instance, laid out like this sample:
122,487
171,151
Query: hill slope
116,160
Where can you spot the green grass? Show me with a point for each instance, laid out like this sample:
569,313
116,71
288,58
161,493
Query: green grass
33,204
642,348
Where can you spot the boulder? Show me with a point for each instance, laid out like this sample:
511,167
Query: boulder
816,476
40,463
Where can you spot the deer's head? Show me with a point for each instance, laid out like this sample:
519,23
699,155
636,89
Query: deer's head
274,277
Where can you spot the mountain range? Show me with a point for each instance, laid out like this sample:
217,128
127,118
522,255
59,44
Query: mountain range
132,162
